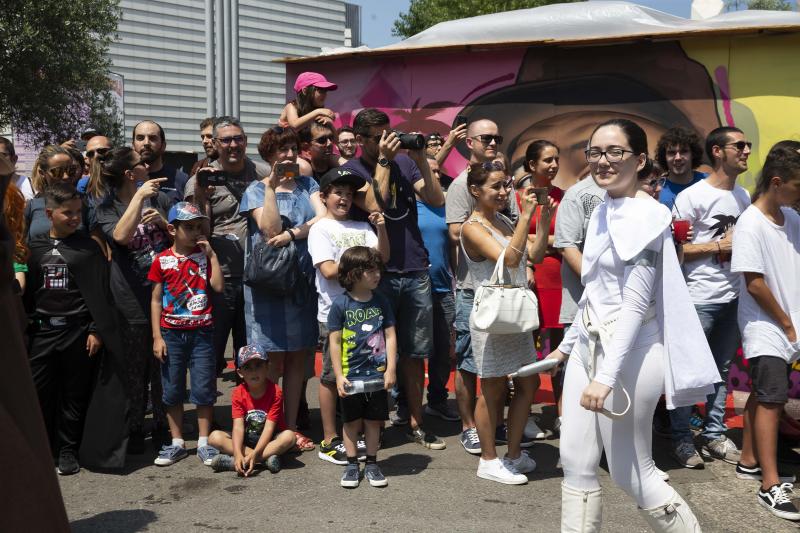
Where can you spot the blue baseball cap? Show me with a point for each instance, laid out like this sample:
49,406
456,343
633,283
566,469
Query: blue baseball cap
184,211
250,352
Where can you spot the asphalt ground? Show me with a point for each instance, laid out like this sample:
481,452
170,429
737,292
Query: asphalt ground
428,491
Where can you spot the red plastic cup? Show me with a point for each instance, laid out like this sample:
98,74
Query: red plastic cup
680,229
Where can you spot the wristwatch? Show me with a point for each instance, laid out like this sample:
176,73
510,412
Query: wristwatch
382,161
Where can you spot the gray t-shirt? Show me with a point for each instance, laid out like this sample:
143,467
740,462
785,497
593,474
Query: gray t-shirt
228,226
459,205
573,218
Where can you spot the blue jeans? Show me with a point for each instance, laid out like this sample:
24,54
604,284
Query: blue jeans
720,325
464,360
191,349
409,295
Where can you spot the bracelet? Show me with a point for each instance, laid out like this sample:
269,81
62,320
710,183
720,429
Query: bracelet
515,248
291,235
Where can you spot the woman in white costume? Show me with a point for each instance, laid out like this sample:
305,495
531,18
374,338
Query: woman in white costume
636,336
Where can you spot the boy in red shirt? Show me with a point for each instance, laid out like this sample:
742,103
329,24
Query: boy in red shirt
259,430
180,311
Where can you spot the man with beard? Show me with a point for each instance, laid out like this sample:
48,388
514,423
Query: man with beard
680,152
150,143
316,150
712,207
228,228
207,138
346,143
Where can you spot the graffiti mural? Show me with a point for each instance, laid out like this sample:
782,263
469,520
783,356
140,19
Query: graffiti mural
561,92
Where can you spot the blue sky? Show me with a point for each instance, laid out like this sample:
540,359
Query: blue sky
377,16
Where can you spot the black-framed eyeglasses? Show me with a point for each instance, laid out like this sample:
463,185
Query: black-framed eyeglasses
434,144
99,151
740,145
487,139
228,140
322,141
347,141
612,155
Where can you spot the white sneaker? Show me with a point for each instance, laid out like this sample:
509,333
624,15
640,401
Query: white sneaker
494,470
522,464
532,429
663,475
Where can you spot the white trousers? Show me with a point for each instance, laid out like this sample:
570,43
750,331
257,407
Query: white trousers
628,442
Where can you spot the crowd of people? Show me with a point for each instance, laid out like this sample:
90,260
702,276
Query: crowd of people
649,275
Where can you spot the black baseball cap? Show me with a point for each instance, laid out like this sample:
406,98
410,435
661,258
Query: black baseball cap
341,175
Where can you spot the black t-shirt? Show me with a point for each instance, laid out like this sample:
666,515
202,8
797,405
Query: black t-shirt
56,293
176,182
131,264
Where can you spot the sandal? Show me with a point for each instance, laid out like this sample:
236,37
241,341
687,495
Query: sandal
303,444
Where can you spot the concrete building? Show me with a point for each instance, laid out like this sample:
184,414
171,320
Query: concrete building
183,60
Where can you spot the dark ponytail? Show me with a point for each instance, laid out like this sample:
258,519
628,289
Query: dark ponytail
114,164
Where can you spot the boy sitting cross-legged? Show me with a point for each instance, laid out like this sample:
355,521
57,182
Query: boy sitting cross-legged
259,429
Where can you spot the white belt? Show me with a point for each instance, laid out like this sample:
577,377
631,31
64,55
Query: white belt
605,333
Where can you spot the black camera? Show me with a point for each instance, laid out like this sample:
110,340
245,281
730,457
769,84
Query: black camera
410,141
206,177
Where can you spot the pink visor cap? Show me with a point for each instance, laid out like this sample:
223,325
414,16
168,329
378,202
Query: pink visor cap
305,79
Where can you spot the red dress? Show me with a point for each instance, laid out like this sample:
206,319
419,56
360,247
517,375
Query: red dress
548,273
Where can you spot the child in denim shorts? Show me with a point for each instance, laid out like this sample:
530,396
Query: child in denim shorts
182,276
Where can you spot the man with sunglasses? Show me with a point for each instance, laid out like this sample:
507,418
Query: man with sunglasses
712,207
150,143
483,142
680,152
96,147
228,227
316,150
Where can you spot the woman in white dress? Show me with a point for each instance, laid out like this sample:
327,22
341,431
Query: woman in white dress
636,335
484,236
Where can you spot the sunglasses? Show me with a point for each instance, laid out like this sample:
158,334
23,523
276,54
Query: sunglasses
57,172
656,183
99,151
322,141
228,140
740,145
487,139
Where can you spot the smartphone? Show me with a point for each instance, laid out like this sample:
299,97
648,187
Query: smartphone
211,177
460,119
80,145
287,170
541,195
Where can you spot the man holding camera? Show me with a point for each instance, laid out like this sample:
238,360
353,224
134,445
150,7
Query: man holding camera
393,179
217,189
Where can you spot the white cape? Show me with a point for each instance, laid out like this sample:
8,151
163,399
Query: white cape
630,224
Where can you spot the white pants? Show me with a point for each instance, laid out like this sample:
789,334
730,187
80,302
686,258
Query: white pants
628,442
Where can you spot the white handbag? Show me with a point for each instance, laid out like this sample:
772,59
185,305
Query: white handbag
504,309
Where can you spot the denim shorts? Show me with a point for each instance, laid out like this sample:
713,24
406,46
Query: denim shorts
192,350
463,348
770,376
410,297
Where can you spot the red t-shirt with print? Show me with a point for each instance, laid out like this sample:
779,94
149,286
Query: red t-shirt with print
185,300
257,411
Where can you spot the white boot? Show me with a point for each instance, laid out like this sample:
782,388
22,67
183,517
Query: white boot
581,510
673,517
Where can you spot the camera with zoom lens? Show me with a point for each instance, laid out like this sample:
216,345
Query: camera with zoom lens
410,141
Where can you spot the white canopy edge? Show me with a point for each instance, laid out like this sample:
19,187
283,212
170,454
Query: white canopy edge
573,23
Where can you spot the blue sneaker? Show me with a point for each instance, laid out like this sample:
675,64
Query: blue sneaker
274,464
170,455
470,441
375,476
223,463
501,438
350,476
206,454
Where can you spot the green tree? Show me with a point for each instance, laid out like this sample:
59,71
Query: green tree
768,5
54,67
422,14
